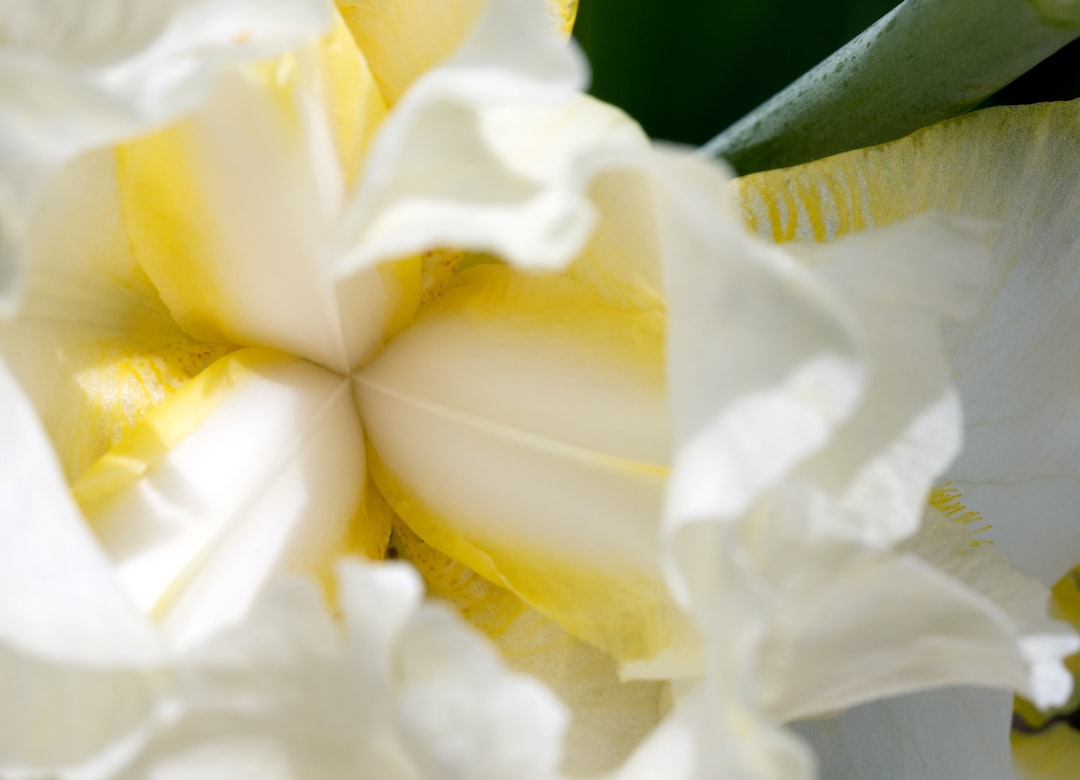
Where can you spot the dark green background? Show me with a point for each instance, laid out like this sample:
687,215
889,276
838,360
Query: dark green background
686,69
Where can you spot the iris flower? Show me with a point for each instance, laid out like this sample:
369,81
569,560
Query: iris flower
403,291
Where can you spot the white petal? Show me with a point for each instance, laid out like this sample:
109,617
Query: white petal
415,696
1016,362
902,282
491,152
254,468
607,717
709,735
85,76
70,639
959,734
899,623
763,362
465,718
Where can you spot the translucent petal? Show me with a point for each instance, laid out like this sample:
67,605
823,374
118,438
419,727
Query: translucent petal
520,427
1015,362
607,717
404,39
70,639
76,78
254,468
958,733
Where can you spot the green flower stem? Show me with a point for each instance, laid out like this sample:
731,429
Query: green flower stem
925,61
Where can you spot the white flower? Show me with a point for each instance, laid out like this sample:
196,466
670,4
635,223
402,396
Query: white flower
344,305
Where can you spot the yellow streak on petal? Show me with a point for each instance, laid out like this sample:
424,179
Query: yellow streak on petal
164,426
119,381
948,500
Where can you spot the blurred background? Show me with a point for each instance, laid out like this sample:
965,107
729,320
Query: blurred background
686,69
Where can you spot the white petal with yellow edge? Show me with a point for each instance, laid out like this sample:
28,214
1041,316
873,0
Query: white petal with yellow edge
111,69
1015,363
71,640
520,426
254,468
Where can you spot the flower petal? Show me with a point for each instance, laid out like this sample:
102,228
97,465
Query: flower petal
901,282
519,426
76,78
228,212
710,735
92,344
1017,166
960,733
946,613
253,468
405,693
70,639
504,123
607,717
403,39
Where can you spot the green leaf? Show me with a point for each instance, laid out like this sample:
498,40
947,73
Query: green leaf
925,61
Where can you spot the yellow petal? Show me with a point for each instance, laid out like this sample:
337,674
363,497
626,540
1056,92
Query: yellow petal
520,427
253,468
402,39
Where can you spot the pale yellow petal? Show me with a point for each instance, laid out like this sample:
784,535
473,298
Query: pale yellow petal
520,427
229,211
402,39
254,468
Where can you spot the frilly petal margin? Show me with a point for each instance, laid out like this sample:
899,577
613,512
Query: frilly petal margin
405,692
70,641
76,77
1016,362
448,136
